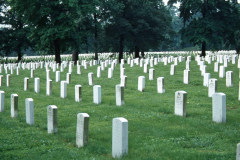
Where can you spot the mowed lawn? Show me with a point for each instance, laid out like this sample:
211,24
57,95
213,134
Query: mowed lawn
154,131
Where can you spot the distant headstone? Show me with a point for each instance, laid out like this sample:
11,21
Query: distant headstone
119,95
68,78
110,72
119,137
37,85
206,78
219,107
26,83
78,93
82,129
97,94
52,119
63,89
229,79
57,76
32,73
2,101
78,69
172,70
186,76
141,83
98,71
90,79
222,72
212,86
180,103
216,67
49,87
14,105
8,80
1,80
29,111
160,85
124,81
151,74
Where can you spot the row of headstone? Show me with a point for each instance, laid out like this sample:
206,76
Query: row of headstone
119,131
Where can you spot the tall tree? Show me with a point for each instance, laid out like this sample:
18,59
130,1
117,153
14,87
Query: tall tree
15,31
139,24
206,21
50,22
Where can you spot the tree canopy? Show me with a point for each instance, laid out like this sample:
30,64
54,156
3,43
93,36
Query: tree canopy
76,26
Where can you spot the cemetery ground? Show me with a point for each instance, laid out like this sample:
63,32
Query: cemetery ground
154,132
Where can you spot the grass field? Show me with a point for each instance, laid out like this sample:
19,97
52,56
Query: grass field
154,131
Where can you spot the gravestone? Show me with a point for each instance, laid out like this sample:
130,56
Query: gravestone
57,76
1,80
229,79
97,94
29,111
151,74
2,101
119,137
78,69
180,103
37,85
8,80
49,87
119,95
14,105
145,68
52,119
160,85
90,79
238,152
78,93
26,83
32,73
82,129
206,78
98,71
124,81
141,83
222,72
216,67
186,76
172,70
68,78
110,72
219,107
212,86
63,91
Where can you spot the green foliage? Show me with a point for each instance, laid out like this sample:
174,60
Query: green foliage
210,21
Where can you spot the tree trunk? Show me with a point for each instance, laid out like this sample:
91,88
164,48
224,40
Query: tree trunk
121,48
19,54
57,51
142,54
75,56
95,37
137,50
203,54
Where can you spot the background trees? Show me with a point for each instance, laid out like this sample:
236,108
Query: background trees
209,22
82,26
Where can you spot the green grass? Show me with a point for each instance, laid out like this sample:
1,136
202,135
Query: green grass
154,131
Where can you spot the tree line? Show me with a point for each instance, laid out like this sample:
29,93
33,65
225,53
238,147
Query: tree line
77,26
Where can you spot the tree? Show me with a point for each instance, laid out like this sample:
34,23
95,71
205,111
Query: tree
50,23
14,39
206,21
139,24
